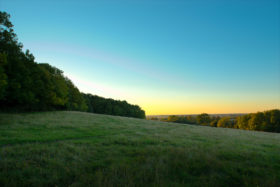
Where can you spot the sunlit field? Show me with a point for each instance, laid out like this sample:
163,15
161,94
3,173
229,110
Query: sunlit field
83,149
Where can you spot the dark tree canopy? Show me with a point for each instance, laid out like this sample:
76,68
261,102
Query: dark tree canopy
113,107
203,119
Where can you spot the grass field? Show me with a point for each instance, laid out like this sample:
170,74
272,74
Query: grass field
82,149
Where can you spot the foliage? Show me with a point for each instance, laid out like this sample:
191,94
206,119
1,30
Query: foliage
3,76
102,105
261,121
225,122
242,122
174,118
181,119
214,121
203,119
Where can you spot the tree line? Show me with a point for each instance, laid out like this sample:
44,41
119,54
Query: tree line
26,85
268,121
100,105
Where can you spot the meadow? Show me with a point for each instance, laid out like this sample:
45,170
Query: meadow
85,149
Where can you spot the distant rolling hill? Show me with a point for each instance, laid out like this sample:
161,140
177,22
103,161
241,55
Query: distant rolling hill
83,149
220,115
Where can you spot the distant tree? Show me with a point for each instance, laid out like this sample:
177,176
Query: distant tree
225,122
190,119
117,110
257,121
272,120
59,91
75,101
154,118
262,121
173,118
214,121
102,105
242,121
203,119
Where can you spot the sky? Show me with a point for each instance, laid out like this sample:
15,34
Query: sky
167,56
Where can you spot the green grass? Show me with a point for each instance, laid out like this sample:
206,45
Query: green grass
82,149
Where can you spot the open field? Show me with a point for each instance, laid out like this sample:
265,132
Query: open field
82,149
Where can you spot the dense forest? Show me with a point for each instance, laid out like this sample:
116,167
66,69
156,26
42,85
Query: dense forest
261,121
26,85
102,105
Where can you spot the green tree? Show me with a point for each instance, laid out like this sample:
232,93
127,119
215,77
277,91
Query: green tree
190,119
214,121
257,121
242,121
102,105
274,121
173,118
203,119
3,76
225,122
76,101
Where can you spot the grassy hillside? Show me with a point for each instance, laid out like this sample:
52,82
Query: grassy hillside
81,149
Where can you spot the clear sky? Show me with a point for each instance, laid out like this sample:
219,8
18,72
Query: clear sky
169,57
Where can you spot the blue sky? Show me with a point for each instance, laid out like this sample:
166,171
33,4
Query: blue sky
169,57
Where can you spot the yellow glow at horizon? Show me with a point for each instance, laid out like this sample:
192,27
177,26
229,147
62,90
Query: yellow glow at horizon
168,102
212,106
180,109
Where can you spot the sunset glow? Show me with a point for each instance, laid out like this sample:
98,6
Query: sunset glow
213,57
